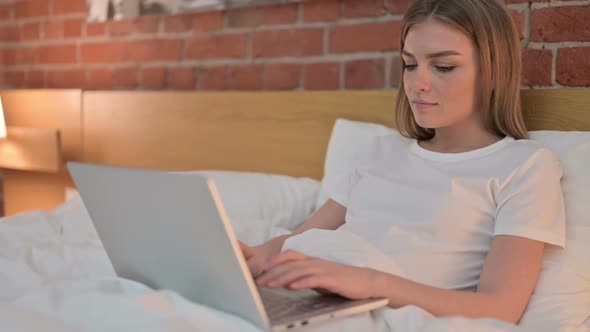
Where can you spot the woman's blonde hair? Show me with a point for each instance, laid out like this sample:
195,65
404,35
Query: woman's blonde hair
492,31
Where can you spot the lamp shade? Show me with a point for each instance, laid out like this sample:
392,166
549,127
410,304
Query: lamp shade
2,122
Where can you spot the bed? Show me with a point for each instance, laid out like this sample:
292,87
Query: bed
275,148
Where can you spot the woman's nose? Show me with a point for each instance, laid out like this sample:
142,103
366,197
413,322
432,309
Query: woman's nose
421,80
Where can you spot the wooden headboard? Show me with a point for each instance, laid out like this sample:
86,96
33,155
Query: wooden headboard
284,133
273,132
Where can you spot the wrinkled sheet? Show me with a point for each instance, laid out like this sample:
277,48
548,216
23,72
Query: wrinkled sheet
56,276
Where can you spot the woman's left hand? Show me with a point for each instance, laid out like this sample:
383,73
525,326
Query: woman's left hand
295,271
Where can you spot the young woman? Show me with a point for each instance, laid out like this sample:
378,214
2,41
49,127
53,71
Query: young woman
467,207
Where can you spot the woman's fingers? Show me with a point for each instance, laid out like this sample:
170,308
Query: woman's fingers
256,266
286,256
315,281
282,275
247,251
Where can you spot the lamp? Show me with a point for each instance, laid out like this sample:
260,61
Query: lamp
29,149
2,122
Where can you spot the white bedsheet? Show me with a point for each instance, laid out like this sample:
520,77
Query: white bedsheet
55,276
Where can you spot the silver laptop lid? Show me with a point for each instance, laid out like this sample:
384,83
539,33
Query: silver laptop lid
170,230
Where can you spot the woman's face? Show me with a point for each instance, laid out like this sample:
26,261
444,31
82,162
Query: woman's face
441,75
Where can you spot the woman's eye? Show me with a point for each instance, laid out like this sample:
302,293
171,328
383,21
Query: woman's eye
410,67
444,69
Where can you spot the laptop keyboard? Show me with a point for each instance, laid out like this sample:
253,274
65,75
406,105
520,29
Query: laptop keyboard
280,305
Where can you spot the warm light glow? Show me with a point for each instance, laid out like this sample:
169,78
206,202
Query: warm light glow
2,122
15,154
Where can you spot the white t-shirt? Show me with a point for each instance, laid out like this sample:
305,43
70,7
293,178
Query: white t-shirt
435,213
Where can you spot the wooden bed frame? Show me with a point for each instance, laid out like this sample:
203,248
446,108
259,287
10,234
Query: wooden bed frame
273,132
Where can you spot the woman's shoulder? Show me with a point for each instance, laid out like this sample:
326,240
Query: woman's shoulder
529,154
528,148
383,147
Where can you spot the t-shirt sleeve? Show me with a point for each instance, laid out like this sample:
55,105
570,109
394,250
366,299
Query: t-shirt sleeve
339,188
530,202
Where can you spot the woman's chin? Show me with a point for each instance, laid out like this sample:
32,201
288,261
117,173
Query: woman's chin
424,123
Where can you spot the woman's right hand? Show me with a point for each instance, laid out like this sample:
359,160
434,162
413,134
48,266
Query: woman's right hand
330,216
259,255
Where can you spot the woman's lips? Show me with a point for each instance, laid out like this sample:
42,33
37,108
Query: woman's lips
422,106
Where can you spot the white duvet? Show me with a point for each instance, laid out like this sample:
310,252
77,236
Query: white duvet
55,276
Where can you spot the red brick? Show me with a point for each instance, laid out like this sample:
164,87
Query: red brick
30,31
106,52
573,67
400,6
182,78
15,78
100,79
155,50
521,1
299,42
178,23
147,24
518,18
35,79
8,56
395,73
73,28
246,77
31,8
363,8
216,46
9,34
69,7
53,30
55,54
121,28
126,77
536,67
322,76
244,17
209,21
279,14
69,78
364,74
560,24
153,78
365,37
6,11
321,10
202,22
283,76
213,78
95,29
28,56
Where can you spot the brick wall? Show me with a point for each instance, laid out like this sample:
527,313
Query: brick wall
318,44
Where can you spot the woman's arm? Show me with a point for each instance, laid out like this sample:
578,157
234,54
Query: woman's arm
507,280
329,216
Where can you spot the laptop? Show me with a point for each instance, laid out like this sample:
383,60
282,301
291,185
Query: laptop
170,231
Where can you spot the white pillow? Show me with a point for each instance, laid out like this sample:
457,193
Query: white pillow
260,205
347,138
562,296
286,201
